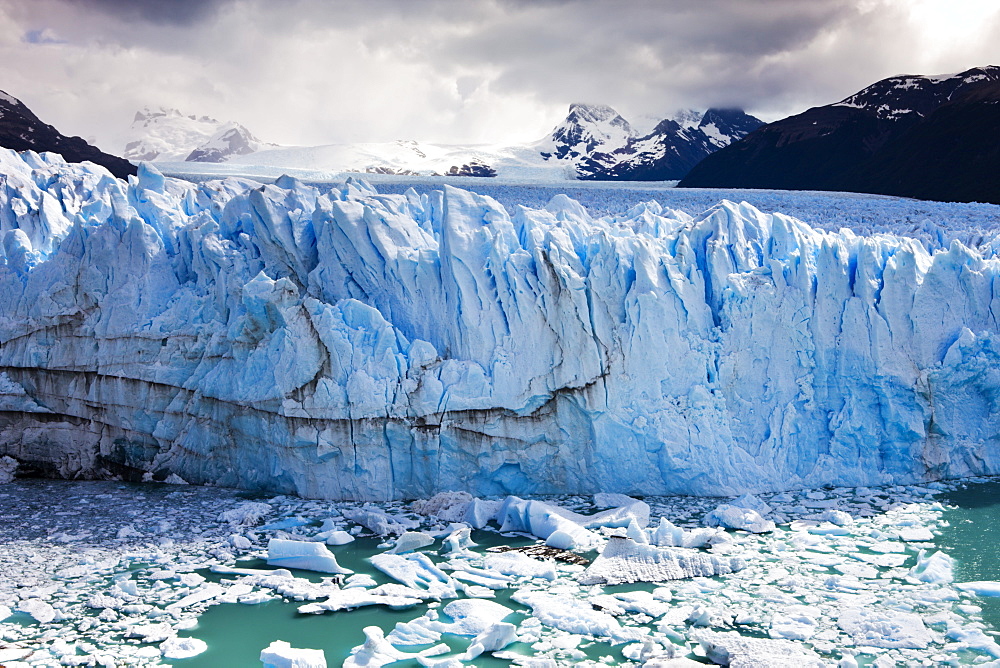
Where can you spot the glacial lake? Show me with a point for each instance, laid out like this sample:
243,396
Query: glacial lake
71,541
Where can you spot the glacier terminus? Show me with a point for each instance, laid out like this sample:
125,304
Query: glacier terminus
344,344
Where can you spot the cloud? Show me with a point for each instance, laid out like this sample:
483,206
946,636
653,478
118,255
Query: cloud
178,12
312,71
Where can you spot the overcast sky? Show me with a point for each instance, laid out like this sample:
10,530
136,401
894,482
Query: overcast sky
328,71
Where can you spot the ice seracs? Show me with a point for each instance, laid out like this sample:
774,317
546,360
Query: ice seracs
350,345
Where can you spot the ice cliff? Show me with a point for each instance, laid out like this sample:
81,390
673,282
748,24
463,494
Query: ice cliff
355,345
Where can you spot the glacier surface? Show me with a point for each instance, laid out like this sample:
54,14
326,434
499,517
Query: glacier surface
352,345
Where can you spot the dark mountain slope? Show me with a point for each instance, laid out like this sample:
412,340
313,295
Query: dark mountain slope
21,130
928,137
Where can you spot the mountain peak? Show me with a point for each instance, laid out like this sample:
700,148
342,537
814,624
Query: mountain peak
167,134
588,128
917,94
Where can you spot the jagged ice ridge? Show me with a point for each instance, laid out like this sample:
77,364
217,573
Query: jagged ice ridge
365,346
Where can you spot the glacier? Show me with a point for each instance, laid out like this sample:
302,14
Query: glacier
346,344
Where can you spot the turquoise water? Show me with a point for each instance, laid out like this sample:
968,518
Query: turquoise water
973,539
237,633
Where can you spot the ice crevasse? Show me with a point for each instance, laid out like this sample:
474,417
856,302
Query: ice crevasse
352,345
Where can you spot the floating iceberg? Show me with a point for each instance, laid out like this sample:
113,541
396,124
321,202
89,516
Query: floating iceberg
280,654
307,555
351,345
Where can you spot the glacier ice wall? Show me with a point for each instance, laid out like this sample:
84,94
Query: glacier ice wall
364,346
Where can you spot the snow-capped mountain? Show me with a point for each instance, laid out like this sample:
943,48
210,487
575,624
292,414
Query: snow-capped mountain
165,135
592,142
21,130
232,139
588,128
673,147
919,95
930,137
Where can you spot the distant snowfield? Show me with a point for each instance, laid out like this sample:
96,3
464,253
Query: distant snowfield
935,223
520,163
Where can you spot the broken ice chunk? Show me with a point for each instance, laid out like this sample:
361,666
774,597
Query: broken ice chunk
458,542
182,648
914,534
885,628
838,517
279,654
623,560
575,616
335,537
42,612
377,651
751,502
563,528
378,521
979,588
445,506
246,514
8,466
479,511
518,564
936,568
306,555
362,580
470,617
797,622
735,517
494,638
417,571
350,598
669,535
410,541
612,500
205,592
732,649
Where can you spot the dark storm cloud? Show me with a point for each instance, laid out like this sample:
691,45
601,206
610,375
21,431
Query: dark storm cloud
176,12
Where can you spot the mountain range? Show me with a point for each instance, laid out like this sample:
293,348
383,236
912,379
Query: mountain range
929,137
592,142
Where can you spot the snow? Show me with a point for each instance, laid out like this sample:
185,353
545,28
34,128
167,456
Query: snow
169,135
